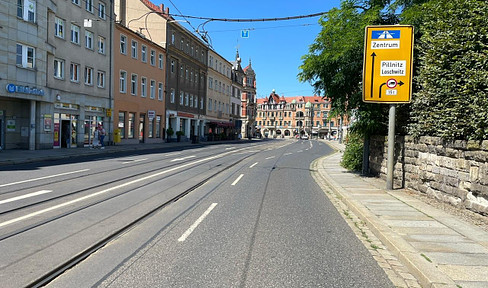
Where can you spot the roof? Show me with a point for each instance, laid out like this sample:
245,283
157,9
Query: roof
294,99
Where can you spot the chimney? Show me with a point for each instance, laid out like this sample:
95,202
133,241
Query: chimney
167,11
161,8
122,12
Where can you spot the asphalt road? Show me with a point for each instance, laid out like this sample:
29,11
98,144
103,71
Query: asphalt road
253,217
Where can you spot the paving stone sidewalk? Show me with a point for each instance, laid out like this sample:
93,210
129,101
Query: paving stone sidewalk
439,249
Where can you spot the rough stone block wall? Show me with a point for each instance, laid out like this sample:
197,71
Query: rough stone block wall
455,172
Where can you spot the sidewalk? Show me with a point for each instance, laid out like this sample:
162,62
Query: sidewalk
439,249
17,156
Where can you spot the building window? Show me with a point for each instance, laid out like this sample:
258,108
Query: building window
173,38
101,45
160,61
182,95
186,99
59,68
160,91
133,84
121,124
150,128
209,105
172,66
26,56
210,83
152,58
143,86
123,81
134,49
74,72
75,34
123,44
89,40
77,2
58,27
152,89
196,101
158,126
201,103
101,79
88,76
172,95
26,9
89,5
101,10
144,53
132,123
191,100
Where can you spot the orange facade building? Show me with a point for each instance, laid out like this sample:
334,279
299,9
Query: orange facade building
139,88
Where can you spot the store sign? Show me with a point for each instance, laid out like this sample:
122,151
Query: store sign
12,88
151,114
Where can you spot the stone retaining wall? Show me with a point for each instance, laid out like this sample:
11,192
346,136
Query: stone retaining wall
454,172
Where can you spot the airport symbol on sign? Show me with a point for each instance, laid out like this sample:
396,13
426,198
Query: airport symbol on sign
387,66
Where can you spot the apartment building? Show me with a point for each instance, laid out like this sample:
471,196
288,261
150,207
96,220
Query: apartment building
139,104
79,62
186,63
237,77
295,116
26,104
248,102
218,120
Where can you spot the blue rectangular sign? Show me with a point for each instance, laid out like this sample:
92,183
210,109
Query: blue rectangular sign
385,34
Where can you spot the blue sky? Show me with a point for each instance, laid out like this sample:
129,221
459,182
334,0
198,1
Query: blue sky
275,48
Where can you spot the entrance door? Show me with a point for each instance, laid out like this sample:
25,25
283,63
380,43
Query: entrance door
65,134
142,131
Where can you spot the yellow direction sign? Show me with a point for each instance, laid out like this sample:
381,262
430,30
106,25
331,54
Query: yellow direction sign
387,66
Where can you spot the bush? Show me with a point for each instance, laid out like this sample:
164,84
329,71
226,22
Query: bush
353,154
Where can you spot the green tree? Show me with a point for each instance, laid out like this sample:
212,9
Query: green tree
452,84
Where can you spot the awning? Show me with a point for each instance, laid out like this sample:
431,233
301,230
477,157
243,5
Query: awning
221,124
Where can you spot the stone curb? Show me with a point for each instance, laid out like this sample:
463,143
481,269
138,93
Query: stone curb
426,273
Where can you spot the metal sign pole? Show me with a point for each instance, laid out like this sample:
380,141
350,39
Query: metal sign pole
391,147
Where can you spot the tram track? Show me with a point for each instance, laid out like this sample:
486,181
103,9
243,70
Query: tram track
80,256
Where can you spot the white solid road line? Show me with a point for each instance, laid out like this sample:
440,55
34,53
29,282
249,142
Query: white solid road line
25,196
42,178
184,158
135,160
237,180
253,165
194,225
271,157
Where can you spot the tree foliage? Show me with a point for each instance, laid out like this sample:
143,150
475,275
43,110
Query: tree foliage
450,61
452,83
334,63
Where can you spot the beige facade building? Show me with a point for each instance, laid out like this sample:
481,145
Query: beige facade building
139,104
78,70
218,118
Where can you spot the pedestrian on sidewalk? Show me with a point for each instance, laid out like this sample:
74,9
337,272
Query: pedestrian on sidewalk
96,139
101,135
